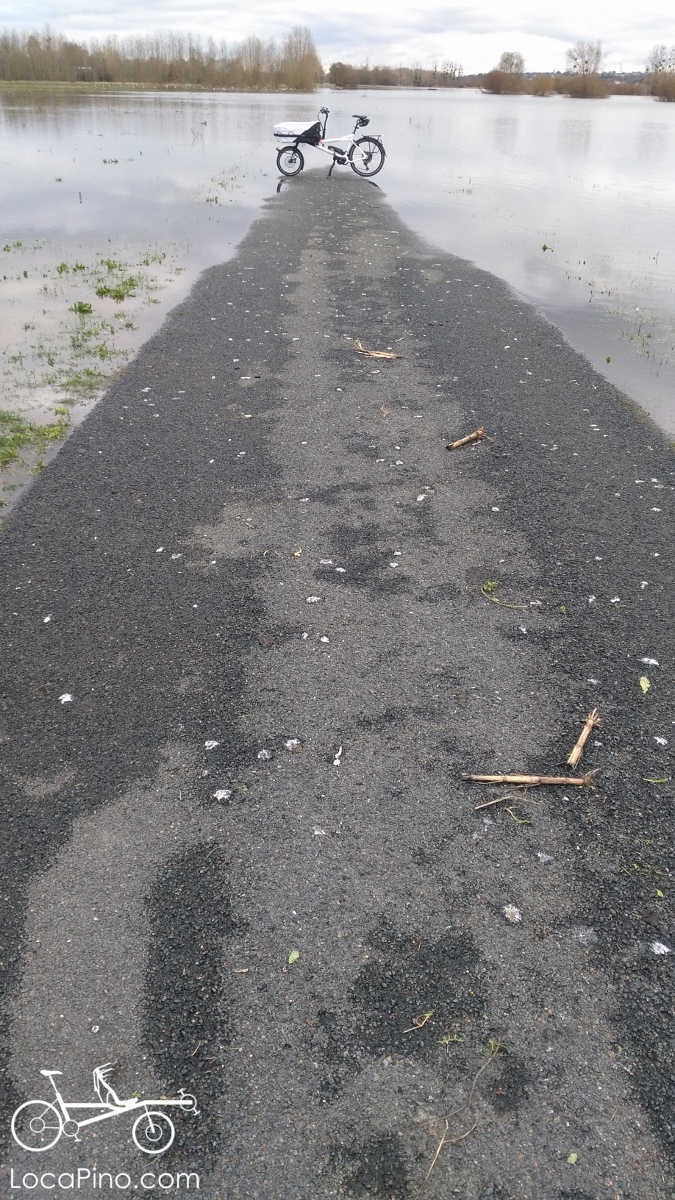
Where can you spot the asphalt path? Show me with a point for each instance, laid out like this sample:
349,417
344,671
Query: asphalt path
248,652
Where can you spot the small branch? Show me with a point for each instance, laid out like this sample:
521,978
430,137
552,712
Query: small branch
592,721
489,803
373,353
420,1022
478,435
587,780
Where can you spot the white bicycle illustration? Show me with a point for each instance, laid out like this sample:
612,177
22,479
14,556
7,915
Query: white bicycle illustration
37,1125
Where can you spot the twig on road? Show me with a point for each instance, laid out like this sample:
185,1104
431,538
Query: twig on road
587,780
478,435
592,721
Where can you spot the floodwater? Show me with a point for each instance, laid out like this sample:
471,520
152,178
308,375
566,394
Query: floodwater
111,205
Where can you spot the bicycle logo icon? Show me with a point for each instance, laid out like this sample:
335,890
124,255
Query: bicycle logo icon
37,1125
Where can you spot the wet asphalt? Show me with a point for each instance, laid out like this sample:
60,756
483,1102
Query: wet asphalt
247,656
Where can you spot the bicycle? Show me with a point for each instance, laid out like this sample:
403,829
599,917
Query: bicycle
37,1125
365,155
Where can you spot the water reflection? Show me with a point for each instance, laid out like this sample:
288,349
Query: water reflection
574,140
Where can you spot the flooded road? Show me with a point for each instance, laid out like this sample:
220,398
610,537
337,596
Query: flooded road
112,204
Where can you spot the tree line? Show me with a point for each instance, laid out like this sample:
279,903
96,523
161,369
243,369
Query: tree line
164,59
583,78
178,60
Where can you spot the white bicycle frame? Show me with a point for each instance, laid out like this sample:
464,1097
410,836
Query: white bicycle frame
326,148
110,1109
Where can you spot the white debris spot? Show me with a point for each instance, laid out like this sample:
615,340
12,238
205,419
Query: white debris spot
495,508
313,599
377,460
159,550
544,858
659,948
593,681
324,639
535,604
584,934
398,552
95,1028
66,698
304,500
222,794
512,914
656,510
421,497
643,584
175,556
325,562
292,743
211,744
318,832
598,558
394,564
591,599
399,462
615,600
305,636
265,755
47,619
145,389
340,570
661,741
211,461
338,756
522,629
650,662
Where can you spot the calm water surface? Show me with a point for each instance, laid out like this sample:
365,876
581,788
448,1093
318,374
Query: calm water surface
100,190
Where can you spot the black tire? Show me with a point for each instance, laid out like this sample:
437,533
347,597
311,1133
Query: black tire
290,161
366,156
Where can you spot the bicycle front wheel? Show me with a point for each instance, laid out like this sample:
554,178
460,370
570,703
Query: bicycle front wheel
290,161
37,1125
153,1132
367,156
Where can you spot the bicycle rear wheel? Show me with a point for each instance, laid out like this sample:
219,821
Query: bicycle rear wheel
366,156
36,1125
290,161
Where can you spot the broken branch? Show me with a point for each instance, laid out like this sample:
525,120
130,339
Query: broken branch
360,349
591,722
587,780
478,435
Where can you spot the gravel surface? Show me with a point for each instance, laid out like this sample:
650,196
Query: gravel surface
248,652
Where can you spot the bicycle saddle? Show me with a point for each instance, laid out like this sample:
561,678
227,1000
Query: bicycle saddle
50,1073
359,117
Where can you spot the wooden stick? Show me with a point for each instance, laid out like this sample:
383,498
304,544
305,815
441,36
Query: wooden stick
586,780
591,722
360,349
478,435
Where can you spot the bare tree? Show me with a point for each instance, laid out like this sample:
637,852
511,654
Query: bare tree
511,62
661,59
584,58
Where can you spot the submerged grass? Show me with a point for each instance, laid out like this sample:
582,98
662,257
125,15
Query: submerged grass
16,434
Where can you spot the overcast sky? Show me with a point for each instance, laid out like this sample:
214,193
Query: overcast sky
383,31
